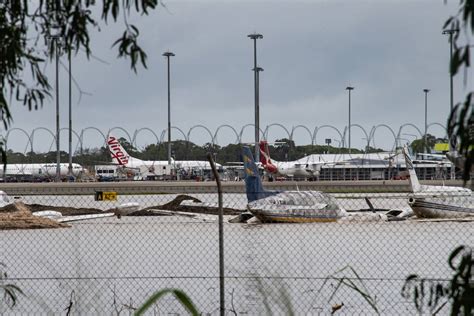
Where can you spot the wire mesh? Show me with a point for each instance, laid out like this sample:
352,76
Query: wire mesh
111,265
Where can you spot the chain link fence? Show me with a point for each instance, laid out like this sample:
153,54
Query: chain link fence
355,265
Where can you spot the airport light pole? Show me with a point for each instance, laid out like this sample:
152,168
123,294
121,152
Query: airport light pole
55,36
70,173
58,151
426,118
256,70
257,112
168,55
349,88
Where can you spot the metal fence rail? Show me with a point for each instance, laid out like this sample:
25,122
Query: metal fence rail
111,265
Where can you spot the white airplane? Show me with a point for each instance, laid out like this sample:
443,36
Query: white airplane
40,170
430,201
151,167
305,167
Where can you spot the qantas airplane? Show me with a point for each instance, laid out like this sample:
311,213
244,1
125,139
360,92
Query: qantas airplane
40,170
302,168
151,167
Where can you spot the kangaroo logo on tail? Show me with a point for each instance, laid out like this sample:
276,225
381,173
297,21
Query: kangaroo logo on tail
265,158
117,152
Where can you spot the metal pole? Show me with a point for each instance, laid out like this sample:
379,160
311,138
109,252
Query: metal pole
168,55
349,126
256,36
451,95
70,173
426,118
221,236
257,112
169,115
58,153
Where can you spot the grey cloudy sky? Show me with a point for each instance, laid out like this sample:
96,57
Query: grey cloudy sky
388,50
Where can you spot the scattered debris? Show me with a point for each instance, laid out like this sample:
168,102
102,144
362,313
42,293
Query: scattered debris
19,216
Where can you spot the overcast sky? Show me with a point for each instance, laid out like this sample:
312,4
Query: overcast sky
311,50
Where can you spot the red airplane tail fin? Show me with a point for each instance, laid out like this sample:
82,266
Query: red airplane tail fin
265,159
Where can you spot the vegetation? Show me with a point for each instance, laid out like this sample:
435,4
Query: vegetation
461,119
9,292
434,295
180,296
418,145
29,30
348,277
181,150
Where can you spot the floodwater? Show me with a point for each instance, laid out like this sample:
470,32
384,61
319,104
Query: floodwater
110,265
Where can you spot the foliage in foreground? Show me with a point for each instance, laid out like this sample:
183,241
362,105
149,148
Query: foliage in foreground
10,291
180,296
353,282
461,119
30,30
434,295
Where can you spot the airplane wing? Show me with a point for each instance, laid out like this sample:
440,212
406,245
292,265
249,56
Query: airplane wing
57,216
74,218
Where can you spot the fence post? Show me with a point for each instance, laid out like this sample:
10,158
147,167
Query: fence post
221,235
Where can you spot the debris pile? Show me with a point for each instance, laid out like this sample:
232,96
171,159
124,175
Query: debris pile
19,216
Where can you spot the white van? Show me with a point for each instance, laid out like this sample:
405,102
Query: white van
106,173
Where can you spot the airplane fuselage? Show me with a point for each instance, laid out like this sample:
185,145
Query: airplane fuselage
442,206
442,202
292,170
40,169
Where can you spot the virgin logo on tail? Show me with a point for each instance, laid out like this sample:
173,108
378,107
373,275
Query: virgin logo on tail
116,151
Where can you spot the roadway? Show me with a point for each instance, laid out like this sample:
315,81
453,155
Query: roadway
188,187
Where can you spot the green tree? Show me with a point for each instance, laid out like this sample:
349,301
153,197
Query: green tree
131,150
418,145
461,119
229,153
26,29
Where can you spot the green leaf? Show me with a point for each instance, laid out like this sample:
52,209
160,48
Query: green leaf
180,295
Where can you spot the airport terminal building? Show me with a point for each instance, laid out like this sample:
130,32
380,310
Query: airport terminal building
378,166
